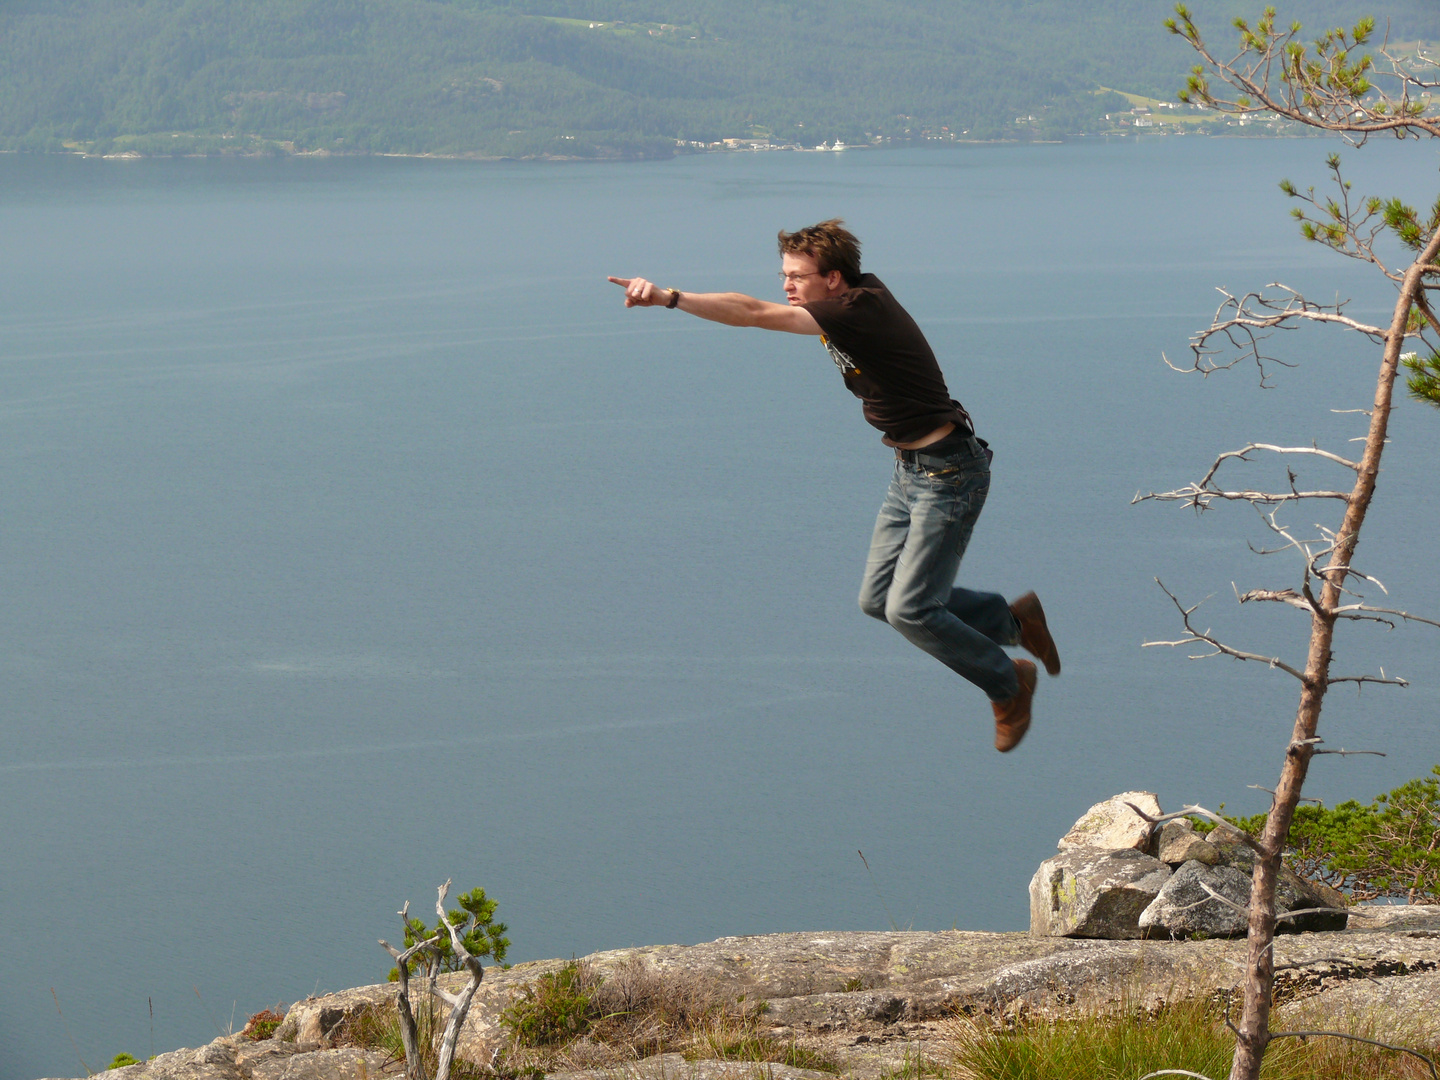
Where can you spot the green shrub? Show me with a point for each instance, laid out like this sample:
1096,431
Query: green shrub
481,935
554,1009
121,1060
1390,848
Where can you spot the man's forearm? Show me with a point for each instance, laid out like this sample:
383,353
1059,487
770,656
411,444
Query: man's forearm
737,309
731,309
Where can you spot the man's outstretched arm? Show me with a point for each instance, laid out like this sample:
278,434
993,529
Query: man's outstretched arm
732,309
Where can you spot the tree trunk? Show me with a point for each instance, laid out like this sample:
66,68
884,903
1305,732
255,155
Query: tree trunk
414,1064
1254,1028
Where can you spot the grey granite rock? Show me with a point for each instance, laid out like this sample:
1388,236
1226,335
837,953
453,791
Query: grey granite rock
234,1057
1090,892
1184,909
348,1063
214,1061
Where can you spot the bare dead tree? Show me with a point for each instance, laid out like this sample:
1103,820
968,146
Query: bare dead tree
1331,85
459,1003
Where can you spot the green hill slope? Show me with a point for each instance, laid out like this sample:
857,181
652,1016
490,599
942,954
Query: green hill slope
584,77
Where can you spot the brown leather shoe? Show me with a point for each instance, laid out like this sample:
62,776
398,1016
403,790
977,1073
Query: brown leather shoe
1012,718
1034,634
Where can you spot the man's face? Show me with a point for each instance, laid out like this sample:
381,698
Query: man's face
804,282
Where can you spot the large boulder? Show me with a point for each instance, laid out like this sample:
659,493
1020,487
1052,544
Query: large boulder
1113,824
1095,893
1183,908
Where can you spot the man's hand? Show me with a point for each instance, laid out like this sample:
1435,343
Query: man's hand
642,293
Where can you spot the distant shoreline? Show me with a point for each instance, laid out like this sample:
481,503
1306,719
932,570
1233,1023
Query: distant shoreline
134,155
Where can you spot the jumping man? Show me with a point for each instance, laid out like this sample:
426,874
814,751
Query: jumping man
942,470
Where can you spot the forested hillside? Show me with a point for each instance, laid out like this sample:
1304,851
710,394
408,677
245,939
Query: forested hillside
585,77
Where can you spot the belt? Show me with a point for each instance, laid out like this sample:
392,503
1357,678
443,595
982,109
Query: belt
935,461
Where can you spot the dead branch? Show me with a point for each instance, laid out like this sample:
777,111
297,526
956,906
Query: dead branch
1271,791
1219,647
1343,570
1200,494
414,1065
1348,612
1245,910
1197,811
1379,680
1242,323
1200,498
1241,908
1280,596
1354,612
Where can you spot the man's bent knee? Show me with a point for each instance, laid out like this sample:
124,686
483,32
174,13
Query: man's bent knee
907,618
872,605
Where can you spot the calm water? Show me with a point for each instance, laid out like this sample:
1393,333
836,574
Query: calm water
355,538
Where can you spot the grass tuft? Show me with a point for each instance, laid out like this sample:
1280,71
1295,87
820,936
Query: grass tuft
1190,1035
1095,1047
727,1040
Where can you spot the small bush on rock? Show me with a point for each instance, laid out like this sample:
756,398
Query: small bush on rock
263,1024
121,1060
1390,848
555,1008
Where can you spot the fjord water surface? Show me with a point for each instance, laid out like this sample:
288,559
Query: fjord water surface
356,538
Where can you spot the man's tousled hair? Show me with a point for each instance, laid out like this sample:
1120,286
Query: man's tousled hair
830,244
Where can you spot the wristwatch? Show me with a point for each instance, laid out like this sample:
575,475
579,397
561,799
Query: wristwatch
674,298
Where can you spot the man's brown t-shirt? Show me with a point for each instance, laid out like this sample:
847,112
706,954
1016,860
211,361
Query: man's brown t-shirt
886,362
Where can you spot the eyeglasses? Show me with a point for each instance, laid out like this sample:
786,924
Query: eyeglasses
783,276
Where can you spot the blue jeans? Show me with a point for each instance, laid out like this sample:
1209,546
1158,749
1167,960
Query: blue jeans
920,536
